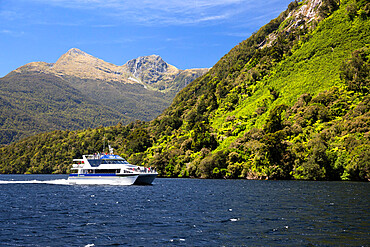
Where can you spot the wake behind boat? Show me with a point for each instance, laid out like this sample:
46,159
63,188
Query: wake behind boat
109,169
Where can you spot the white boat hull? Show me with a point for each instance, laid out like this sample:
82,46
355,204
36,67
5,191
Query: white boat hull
102,180
146,178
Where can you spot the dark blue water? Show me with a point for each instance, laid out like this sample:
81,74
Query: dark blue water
185,212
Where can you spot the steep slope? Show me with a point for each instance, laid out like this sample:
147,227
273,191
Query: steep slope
81,91
290,102
240,119
33,102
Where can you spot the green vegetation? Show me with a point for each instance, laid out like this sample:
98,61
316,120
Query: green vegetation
290,102
33,102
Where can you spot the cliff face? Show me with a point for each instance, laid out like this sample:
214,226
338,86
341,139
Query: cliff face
153,64
298,16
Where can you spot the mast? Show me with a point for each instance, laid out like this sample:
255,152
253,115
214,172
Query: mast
104,144
110,149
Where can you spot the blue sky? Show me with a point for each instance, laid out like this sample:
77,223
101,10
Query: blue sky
185,33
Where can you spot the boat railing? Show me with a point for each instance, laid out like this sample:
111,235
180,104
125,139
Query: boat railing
143,169
140,170
128,171
93,156
149,170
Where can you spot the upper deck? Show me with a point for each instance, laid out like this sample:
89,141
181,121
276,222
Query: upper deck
96,160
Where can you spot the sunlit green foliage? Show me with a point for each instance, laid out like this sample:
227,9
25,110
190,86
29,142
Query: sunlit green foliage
355,72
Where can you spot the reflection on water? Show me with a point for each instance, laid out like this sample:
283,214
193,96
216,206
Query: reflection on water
183,212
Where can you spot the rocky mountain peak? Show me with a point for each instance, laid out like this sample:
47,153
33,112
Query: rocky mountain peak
74,55
77,63
76,52
153,62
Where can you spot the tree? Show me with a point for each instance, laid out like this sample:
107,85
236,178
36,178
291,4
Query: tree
275,149
201,138
327,7
356,71
359,167
274,120
139,140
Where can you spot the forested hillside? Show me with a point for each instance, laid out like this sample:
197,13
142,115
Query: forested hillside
81,91
290,102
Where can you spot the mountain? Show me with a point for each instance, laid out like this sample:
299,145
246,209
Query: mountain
161,76
81,91
290,102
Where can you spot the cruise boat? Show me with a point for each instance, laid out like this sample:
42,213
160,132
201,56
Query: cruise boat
109,169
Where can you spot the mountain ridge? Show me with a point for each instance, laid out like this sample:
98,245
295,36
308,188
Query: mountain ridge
116,93
77,63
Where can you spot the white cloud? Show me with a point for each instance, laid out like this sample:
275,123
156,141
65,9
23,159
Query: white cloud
9,15
12,32
175,12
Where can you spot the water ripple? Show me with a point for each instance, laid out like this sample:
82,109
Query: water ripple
183,212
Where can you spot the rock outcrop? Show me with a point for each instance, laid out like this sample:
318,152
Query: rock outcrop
300,15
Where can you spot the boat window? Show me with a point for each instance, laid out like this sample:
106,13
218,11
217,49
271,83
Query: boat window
114,162
94,163
122,162
107,162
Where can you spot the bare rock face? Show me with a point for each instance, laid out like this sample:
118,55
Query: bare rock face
300,16
151,69
306,13
139,65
